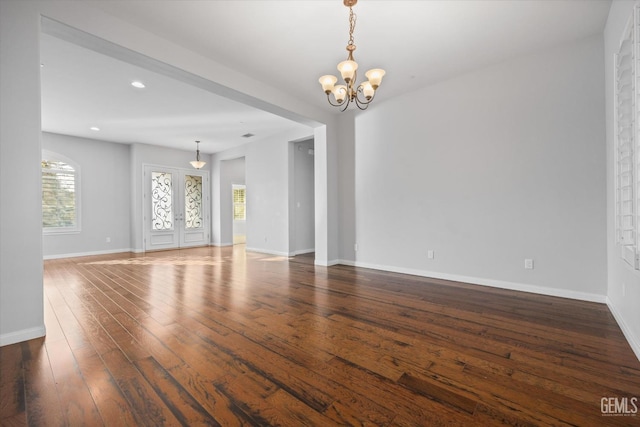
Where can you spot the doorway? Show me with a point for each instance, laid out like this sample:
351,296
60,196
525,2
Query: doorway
175,208
303,223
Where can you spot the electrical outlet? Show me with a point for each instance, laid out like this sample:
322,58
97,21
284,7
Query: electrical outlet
528,264
108,239
355,247
430,254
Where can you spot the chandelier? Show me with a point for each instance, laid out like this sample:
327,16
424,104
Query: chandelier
361,94
197,163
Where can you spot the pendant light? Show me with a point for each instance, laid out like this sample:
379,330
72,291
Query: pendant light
197,163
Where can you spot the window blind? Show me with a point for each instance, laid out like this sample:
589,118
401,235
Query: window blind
58,195
626,132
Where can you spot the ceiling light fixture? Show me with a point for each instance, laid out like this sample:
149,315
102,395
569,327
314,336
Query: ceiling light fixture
138,85
197,163
345,94
94,128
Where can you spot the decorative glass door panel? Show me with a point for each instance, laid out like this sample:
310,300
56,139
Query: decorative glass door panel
175,210
194,231
193,201
162,201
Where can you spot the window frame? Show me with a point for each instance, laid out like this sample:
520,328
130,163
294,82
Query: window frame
77,227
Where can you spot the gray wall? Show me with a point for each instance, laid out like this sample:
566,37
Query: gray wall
488,169
571,217
268,196
233,172
624,283
105,184
21,292
302,223
268,174
111,193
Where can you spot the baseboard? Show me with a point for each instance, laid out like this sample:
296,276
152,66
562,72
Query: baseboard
328,263
634,342
522,287
303,251
269,252
222,244
81,254
24,335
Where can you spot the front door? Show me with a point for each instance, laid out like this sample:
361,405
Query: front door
175,212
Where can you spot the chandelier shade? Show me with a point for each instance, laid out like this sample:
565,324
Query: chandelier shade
360,94
347,70
328,83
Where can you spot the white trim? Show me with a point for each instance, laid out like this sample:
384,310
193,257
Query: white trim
633,341
304,251
522,287
221,244
23,335
327,263
268,251
81,254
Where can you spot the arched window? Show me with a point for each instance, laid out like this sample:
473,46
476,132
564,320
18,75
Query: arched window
60,194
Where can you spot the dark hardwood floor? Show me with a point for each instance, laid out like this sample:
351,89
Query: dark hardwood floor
214,336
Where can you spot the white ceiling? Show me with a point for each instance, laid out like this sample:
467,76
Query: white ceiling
287,44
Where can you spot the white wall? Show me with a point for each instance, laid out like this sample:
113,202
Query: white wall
105,185
488,169
624,283
21,292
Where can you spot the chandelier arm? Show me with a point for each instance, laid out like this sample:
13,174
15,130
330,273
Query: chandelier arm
346,104
340,104
363,105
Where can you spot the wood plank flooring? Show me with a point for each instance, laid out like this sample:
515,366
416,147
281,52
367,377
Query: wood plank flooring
217,336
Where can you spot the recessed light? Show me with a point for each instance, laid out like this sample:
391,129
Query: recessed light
94,128
138,85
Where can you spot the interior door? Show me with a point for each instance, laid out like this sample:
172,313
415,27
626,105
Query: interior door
175,208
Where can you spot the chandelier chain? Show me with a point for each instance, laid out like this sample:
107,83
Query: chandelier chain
352,25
